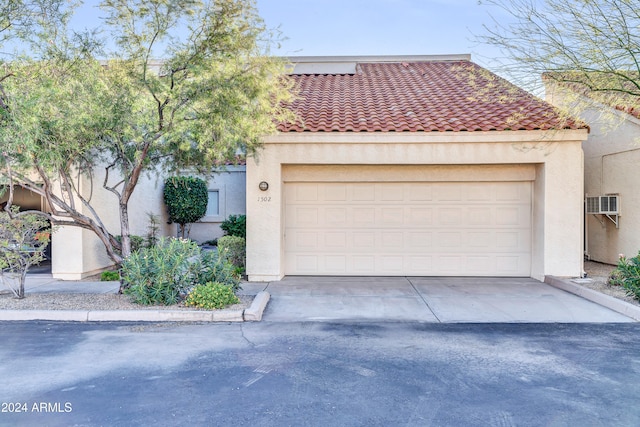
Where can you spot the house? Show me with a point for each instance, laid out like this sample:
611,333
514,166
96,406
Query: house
611,174
401,165
77,253
417,165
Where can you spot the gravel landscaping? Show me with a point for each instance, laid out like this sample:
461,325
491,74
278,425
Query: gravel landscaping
74,301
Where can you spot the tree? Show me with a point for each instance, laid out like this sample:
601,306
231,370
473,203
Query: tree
186,198
589,46
66,114
23,240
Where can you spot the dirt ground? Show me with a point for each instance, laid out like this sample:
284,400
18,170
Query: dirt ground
599,273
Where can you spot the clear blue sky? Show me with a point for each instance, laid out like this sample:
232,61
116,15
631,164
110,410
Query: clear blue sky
369,27
380,27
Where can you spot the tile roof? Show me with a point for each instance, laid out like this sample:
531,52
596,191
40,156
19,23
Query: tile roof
418,97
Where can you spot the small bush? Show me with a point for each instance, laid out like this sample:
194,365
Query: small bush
212,295
161,274
166,273
627,275
216,269
109,276
235,225
232,249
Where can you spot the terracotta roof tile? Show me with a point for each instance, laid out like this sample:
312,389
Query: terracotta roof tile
434,96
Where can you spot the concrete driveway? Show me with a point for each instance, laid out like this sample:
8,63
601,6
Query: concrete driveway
428,299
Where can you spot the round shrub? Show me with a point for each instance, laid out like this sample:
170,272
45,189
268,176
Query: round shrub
212,295
186,198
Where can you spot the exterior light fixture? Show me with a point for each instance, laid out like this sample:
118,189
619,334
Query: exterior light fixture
264,186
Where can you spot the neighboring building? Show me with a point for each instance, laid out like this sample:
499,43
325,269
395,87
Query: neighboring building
415,166
611,168
77,253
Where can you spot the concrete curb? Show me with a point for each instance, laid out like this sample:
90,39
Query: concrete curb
253,313
607,301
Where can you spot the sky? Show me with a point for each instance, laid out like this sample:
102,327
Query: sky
370,27
380,27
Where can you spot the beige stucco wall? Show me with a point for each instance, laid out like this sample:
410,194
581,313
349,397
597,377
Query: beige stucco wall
612,159
557,207
78,253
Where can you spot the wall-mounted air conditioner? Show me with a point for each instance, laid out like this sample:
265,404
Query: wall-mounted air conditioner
604,205
608,206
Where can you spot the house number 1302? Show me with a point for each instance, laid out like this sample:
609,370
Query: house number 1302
264,199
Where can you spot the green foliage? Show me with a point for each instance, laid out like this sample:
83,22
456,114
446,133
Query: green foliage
166,273
233,249
589,45
137,242
217,269
627,275
158,275
212,295
186,198
64,113
109,276
23,239
235,225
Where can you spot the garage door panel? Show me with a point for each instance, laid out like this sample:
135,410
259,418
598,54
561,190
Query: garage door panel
412,228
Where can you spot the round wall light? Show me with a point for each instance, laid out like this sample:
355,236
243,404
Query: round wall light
264,186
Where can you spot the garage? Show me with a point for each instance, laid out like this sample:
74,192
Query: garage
407,228
415,166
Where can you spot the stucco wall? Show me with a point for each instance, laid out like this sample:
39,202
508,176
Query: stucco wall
231,187
79,253
557,189
612,159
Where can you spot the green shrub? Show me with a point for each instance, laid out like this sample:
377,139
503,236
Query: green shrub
235,225
627,275
161,274
232,249
109,276
137,242
216,269
211,296
166,273
186,198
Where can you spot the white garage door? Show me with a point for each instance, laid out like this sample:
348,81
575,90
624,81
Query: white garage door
412,228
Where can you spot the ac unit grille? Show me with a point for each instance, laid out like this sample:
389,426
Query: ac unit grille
606,205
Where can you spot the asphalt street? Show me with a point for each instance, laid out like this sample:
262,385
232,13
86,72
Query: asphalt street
319,374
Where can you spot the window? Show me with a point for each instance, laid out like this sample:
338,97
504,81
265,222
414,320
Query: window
213,205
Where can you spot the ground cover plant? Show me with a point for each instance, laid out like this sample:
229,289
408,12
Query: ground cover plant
212,295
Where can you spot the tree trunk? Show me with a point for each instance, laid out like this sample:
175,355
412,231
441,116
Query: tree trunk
124,230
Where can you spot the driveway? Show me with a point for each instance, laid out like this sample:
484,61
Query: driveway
428,299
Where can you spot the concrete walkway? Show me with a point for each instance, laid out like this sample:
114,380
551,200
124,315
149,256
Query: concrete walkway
415,299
